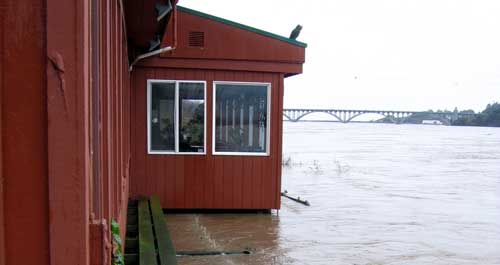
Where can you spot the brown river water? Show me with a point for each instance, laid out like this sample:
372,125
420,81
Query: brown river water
379,194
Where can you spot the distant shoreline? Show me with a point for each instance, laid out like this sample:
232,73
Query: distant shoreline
388,123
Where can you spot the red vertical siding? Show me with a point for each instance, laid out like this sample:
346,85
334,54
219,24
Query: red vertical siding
2,236
205,181
52,39
23,127
68,135
105,112
114,120
47,122
114,111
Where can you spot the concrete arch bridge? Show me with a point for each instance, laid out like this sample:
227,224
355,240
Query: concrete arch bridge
347,115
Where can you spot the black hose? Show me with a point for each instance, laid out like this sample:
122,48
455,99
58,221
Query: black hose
212,253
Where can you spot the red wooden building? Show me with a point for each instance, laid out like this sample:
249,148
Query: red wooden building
222,86
81,131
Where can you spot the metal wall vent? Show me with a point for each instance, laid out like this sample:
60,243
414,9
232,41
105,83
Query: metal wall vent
196,39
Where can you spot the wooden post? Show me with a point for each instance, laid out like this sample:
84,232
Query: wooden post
2,245
68,111
23,170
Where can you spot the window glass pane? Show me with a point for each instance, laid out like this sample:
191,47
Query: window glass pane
191,117
241,118
162,116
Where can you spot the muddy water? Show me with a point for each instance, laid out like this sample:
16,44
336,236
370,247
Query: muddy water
379,194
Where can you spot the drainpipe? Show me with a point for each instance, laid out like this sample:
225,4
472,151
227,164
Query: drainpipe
149,54
175,27
159,51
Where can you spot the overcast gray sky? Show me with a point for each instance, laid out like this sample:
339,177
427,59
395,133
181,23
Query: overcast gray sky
383,54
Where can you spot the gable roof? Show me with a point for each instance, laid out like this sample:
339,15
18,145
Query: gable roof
241,26
203,41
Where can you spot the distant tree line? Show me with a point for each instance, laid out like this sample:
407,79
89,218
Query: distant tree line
489,117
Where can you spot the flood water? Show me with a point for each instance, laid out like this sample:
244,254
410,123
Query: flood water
379,194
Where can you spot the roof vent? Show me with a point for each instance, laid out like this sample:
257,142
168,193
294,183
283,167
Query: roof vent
196,39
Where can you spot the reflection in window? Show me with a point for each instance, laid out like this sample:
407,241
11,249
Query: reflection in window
241,118
191,117
162,116
176,126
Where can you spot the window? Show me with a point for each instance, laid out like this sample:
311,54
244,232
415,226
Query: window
241,113
176,117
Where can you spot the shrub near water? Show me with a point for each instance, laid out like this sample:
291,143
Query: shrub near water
286,162
489,117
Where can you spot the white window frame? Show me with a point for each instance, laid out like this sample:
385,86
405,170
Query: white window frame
268,125
176,151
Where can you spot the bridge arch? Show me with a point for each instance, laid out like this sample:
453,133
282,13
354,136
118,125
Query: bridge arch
382,114
287,117
320,112
302,114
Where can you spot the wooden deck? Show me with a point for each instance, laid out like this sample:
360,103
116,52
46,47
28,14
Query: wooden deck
148,240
